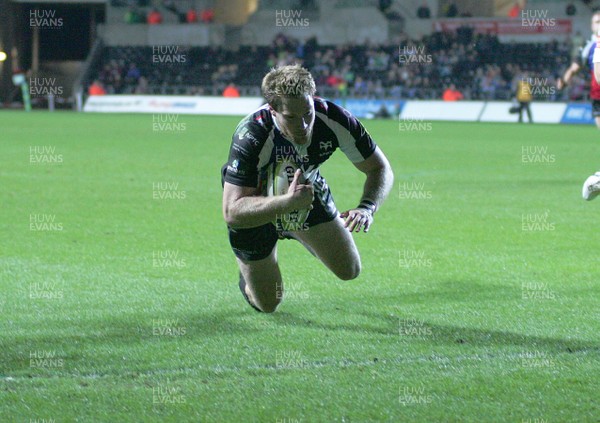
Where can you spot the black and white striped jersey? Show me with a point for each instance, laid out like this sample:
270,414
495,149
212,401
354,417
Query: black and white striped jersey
257,144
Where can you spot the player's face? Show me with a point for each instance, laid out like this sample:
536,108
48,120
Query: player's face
596,23
296,117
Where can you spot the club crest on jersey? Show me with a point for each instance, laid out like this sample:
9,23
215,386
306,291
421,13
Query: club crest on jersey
326,145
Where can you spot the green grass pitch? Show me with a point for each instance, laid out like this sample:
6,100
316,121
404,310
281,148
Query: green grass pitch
478,299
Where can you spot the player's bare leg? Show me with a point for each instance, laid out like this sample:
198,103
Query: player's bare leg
597,120
264,286
333,244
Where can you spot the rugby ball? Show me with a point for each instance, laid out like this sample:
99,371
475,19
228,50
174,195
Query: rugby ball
280,178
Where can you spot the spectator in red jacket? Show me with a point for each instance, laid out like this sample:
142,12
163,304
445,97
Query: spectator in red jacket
452,94
515,11
231,91
207,15
154,17
191,16
96,88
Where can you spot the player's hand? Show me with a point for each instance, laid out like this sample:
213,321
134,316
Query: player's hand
560,84
301,195
357,219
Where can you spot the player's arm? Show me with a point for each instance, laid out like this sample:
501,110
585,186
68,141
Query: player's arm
569,73
244,207
378,184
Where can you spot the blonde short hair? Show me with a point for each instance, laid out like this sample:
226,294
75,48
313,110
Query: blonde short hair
287,81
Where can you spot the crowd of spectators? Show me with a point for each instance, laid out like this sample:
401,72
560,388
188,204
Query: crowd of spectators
118,77
477,66
136,14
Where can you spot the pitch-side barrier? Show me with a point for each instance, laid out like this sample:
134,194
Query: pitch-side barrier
418,110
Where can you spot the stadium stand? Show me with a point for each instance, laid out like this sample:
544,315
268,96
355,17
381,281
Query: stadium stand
478,65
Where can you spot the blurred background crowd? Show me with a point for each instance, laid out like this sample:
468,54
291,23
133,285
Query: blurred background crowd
477,65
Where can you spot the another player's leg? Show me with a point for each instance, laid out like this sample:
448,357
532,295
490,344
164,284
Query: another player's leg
333,244
591,187
596,112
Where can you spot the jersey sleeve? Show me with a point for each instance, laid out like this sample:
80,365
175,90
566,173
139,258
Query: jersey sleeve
242,164
353,138
596,56
583,58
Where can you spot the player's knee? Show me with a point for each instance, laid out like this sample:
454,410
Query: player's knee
349,272
268,304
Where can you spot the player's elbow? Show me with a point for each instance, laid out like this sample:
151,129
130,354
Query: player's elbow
232,221
389,175
385,169
383,172
231,218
